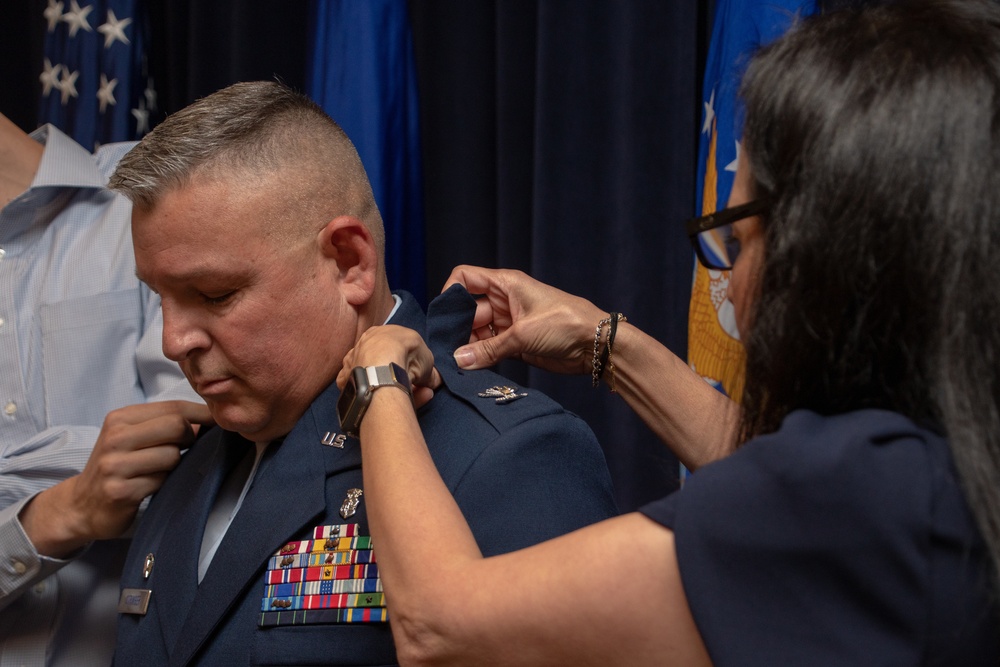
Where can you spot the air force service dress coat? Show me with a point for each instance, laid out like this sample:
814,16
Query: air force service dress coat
522,472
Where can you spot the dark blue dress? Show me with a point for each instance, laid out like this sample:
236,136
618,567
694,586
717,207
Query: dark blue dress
839,540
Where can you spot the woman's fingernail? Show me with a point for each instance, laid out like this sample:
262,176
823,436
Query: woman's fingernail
465,357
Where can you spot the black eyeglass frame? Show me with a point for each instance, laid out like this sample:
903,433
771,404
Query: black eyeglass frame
719,218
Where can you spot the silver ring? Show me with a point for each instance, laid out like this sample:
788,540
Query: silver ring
492,330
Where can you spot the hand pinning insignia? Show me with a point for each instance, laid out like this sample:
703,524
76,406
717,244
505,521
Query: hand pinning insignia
502,394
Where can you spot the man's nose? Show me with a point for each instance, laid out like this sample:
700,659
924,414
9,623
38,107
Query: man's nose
181,333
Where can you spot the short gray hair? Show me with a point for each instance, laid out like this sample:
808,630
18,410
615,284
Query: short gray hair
252,130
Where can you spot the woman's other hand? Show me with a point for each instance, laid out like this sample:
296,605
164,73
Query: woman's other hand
522,318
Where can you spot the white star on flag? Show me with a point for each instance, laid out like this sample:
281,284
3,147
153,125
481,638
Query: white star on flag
49,77
114,29
68,85
77,18
732,165
53,13
141,119
709,114
150,94
106,93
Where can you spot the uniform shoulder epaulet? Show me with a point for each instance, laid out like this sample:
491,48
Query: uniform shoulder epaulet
499,400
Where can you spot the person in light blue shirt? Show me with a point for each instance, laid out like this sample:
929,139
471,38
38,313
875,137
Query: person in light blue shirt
79,339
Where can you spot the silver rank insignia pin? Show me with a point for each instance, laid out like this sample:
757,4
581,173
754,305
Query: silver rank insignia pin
332,439
502,394
350,504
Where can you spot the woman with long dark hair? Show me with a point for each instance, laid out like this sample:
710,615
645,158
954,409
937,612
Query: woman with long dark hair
858,519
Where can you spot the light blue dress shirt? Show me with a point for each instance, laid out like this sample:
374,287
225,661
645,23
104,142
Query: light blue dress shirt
79,337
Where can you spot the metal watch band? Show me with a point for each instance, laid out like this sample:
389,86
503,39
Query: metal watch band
387,376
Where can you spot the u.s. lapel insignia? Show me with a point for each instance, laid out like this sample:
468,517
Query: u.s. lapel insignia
350,504
332,439
502,394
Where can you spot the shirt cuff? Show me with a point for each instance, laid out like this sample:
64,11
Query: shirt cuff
20,563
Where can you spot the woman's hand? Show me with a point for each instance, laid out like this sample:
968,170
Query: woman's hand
382,345
525,319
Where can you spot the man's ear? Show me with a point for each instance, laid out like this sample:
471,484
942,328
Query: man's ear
347,241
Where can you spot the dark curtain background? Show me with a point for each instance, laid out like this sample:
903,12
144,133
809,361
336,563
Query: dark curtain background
559,138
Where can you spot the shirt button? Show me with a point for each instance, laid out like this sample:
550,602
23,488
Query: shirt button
19,567
1,322
10,409
40,588
2,253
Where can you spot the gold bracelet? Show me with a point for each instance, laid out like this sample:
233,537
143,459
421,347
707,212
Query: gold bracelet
602,359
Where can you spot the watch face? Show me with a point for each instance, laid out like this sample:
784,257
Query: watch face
357,395
347,398
348,407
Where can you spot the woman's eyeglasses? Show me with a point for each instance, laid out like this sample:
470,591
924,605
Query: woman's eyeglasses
712,234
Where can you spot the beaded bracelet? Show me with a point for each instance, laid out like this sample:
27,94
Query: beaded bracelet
607,363
602,359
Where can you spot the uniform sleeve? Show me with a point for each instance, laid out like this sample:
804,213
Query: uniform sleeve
807,547
540,479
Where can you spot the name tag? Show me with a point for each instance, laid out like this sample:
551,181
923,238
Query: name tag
134,601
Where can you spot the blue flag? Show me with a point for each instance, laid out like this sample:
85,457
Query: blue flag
740,27
94,82
363,74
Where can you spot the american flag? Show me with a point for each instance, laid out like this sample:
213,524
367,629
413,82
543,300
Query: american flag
95,83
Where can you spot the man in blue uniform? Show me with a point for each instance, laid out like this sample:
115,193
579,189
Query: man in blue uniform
255,222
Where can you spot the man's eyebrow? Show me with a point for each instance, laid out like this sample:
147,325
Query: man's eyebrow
193,274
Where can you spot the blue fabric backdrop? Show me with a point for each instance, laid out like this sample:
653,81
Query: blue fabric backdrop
362,72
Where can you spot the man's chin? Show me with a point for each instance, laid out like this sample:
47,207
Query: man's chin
253,427
248,424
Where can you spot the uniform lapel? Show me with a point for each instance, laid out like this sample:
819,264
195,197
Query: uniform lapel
287,496
176,563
